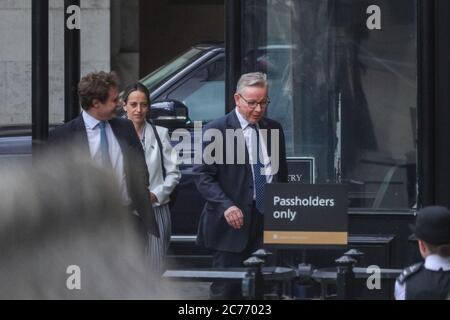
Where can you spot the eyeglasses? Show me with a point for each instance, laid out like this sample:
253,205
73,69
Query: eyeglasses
252,104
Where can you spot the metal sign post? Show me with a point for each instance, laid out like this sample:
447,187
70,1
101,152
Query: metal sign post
39,72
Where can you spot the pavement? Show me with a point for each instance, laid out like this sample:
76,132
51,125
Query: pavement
185,290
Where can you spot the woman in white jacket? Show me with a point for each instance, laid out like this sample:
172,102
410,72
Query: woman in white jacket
162,167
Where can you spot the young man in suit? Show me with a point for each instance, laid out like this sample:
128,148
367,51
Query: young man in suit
231,223
112,143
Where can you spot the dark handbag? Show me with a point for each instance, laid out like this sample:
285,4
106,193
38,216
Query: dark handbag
173,195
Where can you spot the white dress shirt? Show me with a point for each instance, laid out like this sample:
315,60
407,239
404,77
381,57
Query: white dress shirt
433,262
251,141
114,150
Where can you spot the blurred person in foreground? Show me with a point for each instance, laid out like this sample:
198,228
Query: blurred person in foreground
63,212
162,163
428,280
112,143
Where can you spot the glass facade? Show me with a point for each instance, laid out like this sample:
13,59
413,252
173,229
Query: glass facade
343,83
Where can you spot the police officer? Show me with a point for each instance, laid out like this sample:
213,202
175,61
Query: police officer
429,279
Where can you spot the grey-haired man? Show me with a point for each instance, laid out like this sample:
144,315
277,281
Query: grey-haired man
232,219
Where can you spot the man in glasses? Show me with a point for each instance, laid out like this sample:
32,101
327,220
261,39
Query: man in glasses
232,219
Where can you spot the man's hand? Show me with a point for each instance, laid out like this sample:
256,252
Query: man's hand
234,217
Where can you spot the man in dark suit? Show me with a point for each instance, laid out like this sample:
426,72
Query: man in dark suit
231,223
112,144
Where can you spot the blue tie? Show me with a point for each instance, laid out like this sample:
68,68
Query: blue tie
104,147
259,178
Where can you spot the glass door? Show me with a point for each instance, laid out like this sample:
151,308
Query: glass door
343,83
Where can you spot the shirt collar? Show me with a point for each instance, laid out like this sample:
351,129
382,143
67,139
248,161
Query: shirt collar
435,262
244,123
89,121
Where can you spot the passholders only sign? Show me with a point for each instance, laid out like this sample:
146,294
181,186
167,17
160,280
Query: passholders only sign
298,214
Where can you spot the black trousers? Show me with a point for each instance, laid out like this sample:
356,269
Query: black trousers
222,290
137,225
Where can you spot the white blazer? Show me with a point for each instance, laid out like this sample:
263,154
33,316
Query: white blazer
162,188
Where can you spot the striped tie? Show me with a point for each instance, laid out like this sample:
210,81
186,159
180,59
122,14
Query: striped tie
259,178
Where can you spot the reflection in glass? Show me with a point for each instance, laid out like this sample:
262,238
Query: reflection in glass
345,94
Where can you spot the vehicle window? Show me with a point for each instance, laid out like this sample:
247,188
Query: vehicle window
168,69
203,92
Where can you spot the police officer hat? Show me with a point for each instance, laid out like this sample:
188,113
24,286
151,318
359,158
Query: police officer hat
433,225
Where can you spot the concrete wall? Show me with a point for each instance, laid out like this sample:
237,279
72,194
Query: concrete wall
125,40
15,54
15,61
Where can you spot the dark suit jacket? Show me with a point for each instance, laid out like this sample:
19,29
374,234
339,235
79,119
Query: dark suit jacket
73,135
226,185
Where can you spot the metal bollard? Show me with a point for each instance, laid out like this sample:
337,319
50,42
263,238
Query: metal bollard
345,280
355,254
252,284
262,254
